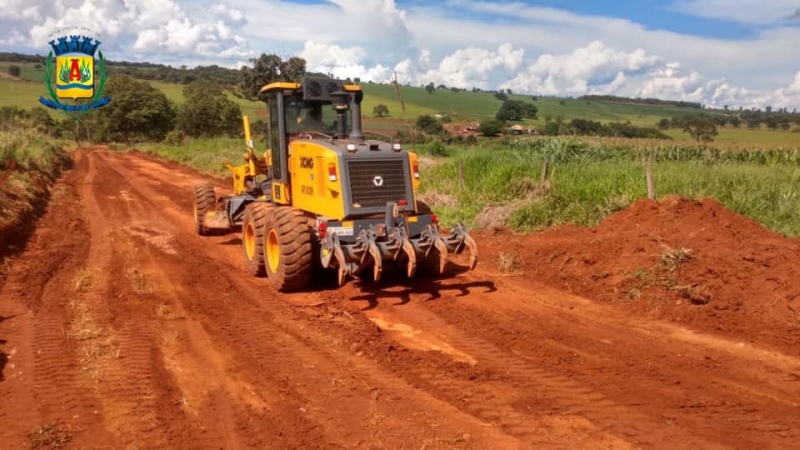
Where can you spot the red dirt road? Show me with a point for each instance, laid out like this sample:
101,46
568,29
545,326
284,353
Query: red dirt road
120,328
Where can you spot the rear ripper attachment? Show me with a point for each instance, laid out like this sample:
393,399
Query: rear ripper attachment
354,246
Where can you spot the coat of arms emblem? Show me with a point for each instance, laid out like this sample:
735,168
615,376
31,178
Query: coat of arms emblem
72,63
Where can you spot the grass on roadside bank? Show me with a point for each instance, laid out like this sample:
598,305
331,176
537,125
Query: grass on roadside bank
589,178
206,155
29,164
588,181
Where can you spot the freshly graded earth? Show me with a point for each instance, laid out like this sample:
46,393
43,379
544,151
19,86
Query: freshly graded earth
670,325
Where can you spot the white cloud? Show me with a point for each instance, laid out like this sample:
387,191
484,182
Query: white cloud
469,67
137,29
342,62
575,72
740,11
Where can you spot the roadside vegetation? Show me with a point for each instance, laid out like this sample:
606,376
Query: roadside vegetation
30,162
589,179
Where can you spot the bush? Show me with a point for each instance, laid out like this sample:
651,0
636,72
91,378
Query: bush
208,112
490,128
14,71
428,124
175,138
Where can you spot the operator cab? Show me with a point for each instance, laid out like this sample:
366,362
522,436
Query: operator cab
318,108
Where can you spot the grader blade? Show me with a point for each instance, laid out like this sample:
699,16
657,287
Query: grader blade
216,220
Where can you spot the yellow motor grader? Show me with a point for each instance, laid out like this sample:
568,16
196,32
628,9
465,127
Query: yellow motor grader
326,197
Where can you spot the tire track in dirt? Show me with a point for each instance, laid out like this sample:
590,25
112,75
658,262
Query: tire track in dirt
519,394
711,411
127,370
46,390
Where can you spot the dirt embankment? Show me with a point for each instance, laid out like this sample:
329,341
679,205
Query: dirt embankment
24,194
688,261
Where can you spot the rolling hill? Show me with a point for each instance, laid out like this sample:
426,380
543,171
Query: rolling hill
460,105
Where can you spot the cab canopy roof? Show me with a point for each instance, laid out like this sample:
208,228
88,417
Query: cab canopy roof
316,86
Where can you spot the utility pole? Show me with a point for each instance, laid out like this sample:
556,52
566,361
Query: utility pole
399,97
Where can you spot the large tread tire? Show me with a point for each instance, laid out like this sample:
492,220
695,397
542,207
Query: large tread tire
254,226
204,198
289,249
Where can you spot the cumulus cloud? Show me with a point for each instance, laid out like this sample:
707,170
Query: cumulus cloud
671,82
137,29
584,68
342,62
470,66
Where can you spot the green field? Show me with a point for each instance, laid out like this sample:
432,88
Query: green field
462,105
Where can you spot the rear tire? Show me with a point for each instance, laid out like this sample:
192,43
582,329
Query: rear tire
204,198
288,249
254,224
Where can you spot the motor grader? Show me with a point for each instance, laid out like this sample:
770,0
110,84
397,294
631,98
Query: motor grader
323,196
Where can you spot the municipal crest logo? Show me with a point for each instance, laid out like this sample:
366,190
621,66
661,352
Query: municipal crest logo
73,79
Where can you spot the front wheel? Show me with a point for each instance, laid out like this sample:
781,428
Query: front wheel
204,198
254,224
288,249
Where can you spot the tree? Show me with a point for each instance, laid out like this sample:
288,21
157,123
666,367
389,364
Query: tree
14,71
380,110
516,110
429,125
269,69
430,88
137,112
500,95
490,128
663,123
700,128
208,112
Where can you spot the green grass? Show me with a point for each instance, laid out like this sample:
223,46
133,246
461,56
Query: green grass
743,135
23,94
23,150
590,182
206,155
28,71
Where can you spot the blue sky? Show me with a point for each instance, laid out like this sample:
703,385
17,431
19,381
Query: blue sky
735,52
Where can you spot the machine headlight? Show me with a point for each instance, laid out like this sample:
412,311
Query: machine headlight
351,147
397,147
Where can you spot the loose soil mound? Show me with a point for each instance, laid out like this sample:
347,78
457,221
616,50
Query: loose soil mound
689,261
